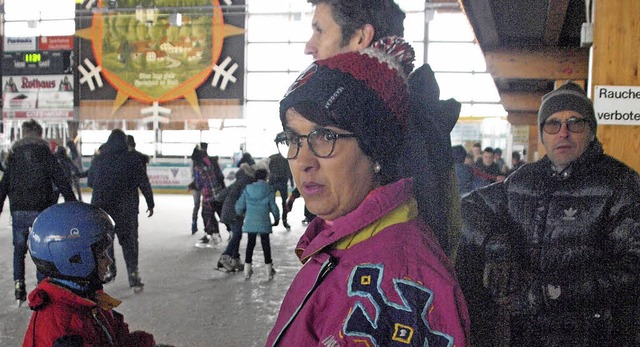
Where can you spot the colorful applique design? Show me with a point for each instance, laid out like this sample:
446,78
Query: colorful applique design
392,324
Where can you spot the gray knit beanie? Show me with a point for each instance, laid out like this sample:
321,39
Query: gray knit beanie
568,97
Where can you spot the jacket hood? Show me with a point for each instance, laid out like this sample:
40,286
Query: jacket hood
259,190
117,142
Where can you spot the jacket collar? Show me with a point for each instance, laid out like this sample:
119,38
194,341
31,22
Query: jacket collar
591,155
379,202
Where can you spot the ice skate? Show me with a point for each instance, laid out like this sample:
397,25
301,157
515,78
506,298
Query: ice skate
194,226
205,242
225,263
237,265
248,271
286,225
21,293
270,272
135,282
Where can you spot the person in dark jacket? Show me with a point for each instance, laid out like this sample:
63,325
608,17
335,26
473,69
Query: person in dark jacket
131,143
464,172
30,178
485,170
230,258
279,178
76,159
69,169
115,175
551,256
246,158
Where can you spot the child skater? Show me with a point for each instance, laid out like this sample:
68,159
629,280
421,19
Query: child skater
68,243
257,201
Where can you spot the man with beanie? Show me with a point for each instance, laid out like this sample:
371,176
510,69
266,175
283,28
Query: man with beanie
550,256
341,26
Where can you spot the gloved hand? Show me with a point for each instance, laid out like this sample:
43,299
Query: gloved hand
149,212
275,223
513,288
289,204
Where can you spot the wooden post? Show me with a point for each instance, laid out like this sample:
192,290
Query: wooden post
616,62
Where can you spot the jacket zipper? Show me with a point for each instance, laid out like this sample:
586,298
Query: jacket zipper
326,268
104,329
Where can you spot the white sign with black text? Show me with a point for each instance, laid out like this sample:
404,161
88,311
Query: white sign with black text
618,105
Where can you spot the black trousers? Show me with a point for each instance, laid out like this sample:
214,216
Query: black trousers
251,244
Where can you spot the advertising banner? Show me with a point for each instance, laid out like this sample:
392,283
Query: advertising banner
55,43
19,44
38,96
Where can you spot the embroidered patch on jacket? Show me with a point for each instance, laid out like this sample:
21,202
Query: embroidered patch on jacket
391,324
570,214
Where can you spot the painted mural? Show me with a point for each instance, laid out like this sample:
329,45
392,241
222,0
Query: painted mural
156,51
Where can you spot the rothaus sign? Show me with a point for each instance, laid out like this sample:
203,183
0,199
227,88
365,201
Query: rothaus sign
619,105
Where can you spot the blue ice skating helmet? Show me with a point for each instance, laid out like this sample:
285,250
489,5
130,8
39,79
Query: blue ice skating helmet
65,239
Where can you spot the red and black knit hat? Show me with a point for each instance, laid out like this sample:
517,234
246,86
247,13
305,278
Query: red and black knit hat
365,93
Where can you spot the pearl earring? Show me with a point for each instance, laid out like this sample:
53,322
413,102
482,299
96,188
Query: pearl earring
377,167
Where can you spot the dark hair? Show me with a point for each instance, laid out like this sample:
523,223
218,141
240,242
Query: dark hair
477,144
488,149
497,151
31,128
385,16
261,174
131,141
515,155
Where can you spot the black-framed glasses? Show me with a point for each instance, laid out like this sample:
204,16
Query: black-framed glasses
321,141
574,125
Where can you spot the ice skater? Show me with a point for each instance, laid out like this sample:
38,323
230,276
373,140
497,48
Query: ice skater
256,203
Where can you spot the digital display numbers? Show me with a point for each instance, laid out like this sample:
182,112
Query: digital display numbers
32,58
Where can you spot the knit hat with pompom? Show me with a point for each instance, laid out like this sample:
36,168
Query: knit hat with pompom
364,92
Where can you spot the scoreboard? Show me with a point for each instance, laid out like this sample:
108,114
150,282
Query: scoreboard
36,63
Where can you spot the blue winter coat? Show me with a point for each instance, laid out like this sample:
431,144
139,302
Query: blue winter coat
256,202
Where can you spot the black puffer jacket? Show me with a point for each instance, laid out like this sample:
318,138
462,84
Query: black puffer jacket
575,233
30,176
115,176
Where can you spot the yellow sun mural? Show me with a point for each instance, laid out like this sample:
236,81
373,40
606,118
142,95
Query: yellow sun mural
154,54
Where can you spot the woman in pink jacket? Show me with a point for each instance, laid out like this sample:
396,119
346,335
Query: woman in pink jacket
373,272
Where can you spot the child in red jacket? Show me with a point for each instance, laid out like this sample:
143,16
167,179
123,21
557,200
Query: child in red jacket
68,243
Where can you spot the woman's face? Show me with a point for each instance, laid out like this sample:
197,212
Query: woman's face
333,186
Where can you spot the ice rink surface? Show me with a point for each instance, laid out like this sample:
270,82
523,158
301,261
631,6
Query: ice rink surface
186,302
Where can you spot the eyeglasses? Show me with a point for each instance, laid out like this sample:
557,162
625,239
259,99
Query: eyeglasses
574,125
321,141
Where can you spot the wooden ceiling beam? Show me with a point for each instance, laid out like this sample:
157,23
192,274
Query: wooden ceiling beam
480,16
523,118
556,15
544,64
520,101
